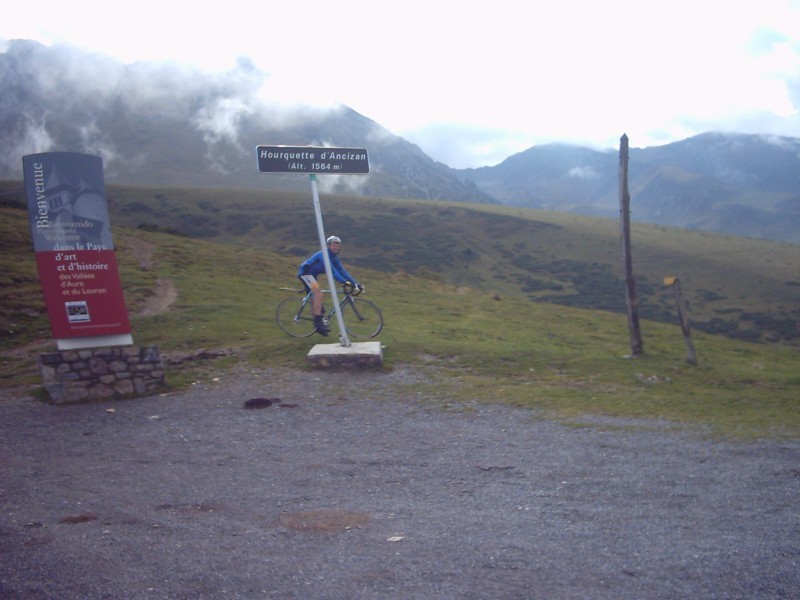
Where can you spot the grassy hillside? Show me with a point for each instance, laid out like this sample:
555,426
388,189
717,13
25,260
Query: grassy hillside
744,288
468,291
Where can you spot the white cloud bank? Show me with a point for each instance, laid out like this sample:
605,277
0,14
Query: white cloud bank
469,82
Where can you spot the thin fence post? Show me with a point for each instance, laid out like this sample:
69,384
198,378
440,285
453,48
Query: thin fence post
683,316
631,301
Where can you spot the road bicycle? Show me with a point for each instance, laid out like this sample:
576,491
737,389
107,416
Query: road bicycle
362,318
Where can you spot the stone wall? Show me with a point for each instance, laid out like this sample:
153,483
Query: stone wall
90,374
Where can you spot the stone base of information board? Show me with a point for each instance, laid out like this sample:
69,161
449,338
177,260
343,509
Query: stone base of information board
356,355
92,374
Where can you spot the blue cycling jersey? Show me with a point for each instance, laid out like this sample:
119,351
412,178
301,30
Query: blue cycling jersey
315,265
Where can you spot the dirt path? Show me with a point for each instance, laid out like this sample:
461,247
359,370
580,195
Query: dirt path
355,485
162,298
165,293
142,250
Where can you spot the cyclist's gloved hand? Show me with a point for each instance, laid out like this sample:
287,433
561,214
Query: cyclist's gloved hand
360,287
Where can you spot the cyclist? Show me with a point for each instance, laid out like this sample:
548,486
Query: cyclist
312,268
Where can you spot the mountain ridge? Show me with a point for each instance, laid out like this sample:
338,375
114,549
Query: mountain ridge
742,184
155,124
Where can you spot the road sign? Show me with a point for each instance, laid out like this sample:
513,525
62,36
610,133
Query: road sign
312,159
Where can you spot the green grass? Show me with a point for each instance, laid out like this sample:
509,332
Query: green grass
738,287
452,308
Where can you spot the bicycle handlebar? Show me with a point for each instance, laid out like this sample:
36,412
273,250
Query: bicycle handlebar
351,290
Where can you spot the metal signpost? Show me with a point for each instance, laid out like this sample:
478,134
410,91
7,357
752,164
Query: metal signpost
313,160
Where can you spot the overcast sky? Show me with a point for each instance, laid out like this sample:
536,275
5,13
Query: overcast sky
470,82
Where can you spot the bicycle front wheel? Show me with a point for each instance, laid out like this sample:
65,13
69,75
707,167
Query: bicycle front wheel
362,318
295,318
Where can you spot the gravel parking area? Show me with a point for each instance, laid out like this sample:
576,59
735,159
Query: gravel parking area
354,485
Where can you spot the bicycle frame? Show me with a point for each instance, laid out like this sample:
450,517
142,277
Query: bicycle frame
348,299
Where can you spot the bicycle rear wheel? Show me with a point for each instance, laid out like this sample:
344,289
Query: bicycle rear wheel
362,318
294,318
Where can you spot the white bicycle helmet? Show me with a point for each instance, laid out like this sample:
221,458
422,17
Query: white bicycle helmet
334,238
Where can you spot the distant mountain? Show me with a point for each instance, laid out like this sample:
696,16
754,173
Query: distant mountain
552,176
731,183
155,124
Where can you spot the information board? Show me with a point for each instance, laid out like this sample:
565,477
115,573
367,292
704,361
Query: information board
71,231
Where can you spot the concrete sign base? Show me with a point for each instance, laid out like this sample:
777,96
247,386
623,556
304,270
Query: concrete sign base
357,354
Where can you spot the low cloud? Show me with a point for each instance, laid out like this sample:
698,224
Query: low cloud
462,146
583,173
54,105
94,140
27,136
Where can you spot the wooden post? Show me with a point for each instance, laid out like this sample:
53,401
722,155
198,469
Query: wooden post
691,355
632,303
